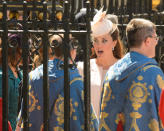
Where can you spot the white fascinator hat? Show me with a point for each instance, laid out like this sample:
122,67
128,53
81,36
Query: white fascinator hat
101,25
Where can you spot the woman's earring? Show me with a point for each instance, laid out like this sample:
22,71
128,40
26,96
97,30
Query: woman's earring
112,48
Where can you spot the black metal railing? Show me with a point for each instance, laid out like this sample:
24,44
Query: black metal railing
40,18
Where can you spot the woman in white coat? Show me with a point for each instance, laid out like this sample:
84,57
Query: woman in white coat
108,49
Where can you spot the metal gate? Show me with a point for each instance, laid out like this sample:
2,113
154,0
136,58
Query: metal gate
42,17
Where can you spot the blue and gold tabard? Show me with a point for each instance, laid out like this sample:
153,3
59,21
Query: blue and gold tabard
131,92
56,96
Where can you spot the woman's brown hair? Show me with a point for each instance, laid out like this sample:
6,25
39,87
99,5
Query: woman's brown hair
14,51
118,49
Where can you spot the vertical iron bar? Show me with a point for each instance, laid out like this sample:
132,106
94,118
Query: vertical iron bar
80,4
140,5
92,8
33,12
87,72
53,17
134,5
34,15
66,73
160,6
72,10
98,4
150,9
146,3
129,8
105,4
110,7
25,54
150,5
45,71
4,70
116,7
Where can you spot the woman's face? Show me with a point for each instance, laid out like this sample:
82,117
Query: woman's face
103,46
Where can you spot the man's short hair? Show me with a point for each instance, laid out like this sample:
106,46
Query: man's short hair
137,30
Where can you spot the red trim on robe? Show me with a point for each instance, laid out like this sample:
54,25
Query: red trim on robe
161,107
120,126
9,126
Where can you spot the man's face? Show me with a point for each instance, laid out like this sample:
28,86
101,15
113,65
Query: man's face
153,41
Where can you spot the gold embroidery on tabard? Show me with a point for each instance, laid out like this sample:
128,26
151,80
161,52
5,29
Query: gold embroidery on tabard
93,117
154,125
106,98
38,107
102,121
76,104
136,106
29,87
117,119
22,125
138,94
151,87
82,127
140,78
30,76
58,129
82,95
74,118
106,95
59,109
32,101
113,97
76,79
150,66
120,117
150,100
160,82
135,116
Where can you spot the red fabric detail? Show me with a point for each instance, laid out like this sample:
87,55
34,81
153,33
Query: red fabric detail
161,107
120,126
9,126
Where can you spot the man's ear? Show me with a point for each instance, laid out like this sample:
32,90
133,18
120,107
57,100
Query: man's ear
147,41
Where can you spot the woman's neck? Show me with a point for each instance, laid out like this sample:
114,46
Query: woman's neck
13,69
105,64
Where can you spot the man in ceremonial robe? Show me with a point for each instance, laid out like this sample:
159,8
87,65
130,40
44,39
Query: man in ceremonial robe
132,86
